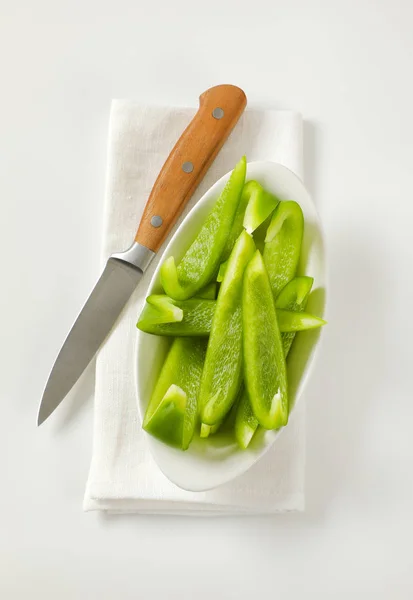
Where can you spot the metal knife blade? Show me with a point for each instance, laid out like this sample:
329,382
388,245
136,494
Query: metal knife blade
219,110
103,307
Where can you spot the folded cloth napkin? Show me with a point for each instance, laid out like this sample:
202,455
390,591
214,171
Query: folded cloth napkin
123,476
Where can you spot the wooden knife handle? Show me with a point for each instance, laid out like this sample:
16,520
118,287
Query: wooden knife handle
220,108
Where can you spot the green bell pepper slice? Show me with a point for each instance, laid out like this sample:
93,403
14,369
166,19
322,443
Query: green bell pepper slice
167,422
283,244
293,297
260,205
201,261
246,423
237,224
196,318
289,321
222,374
193,317
254,209
265,370
295,294
207,430
255,206
161,309
172,410
221,271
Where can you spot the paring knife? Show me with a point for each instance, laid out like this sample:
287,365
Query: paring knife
220,108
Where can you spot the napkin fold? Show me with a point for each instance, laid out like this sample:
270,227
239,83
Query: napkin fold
123,476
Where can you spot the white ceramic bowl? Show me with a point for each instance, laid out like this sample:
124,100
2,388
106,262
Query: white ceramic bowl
217,460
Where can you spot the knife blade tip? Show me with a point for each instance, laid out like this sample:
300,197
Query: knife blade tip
45,409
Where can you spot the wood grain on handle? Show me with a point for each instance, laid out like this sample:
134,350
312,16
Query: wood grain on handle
198,145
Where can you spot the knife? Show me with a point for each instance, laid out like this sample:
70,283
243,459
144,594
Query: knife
219,109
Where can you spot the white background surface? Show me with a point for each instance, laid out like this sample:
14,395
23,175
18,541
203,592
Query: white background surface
347,66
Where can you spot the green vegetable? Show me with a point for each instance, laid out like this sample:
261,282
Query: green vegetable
209,292
289,321
295,294
260,205
193,317
254,210
167,423
207,430
221,271
160,309
264,363
196,318
172,410
283,244
237,225
293,297
201,261
255,206
221,377
245,422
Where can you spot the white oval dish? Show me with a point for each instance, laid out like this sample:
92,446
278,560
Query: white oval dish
215,461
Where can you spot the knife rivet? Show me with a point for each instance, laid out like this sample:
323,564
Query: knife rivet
217,113
156,221
187,167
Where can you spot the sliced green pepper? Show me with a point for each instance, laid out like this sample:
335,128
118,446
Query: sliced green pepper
161,309
226,425
221,271
264,363
260,205
201,261
255,206
246,423
196,318
221,377
289,321
254,209
167,422
283,244
237,225
193,317
172,410
293,297
207,430
295,294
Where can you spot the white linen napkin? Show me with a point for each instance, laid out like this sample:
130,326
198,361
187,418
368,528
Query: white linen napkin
123,476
